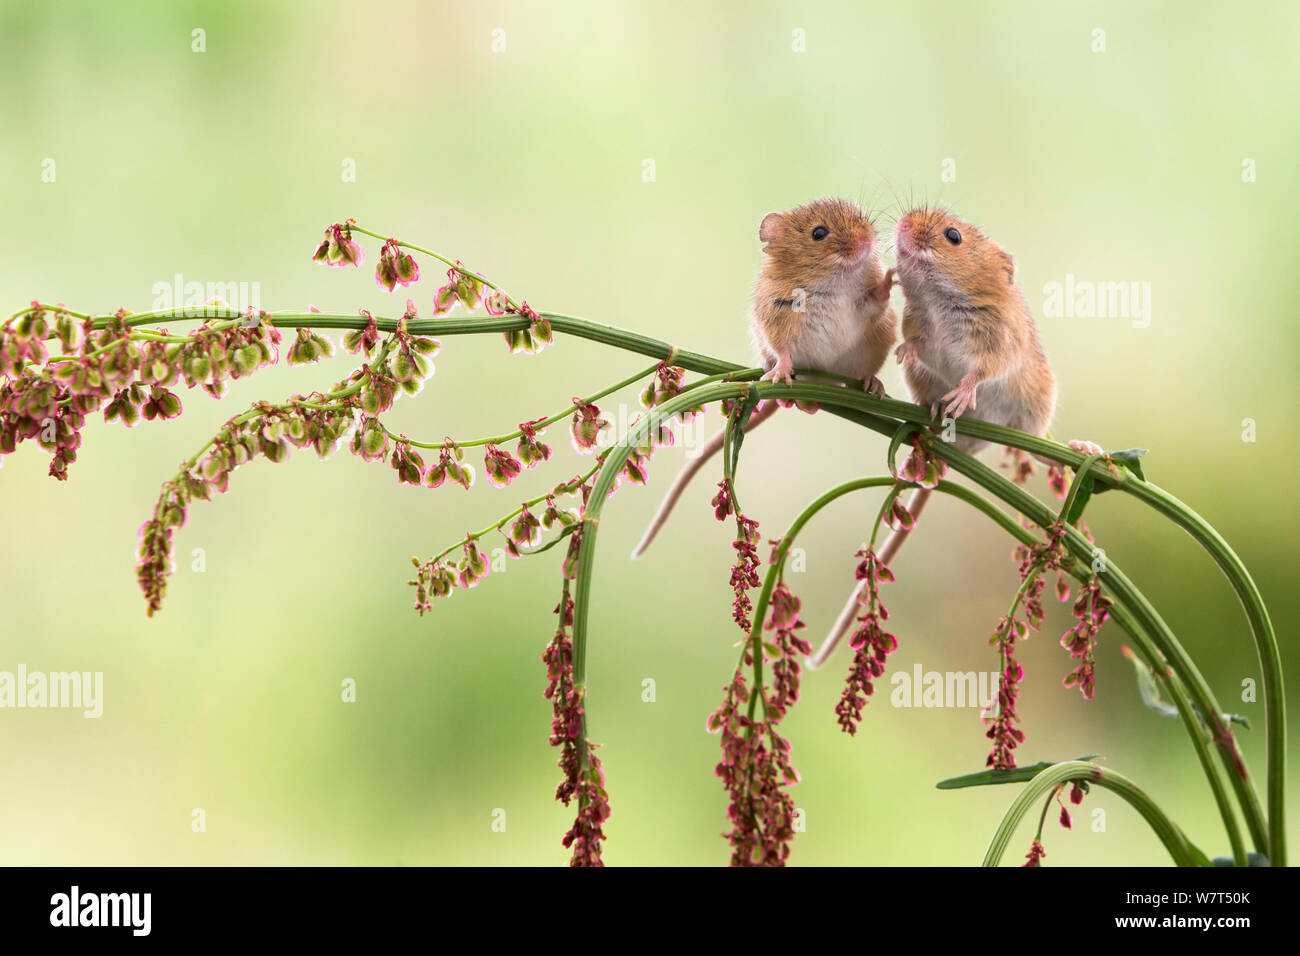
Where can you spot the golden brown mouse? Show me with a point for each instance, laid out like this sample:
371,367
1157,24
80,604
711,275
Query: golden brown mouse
821,302
969,344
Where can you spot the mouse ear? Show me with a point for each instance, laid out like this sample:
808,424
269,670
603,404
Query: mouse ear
768,228
1009,264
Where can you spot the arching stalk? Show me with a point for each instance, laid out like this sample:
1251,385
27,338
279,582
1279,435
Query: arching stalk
1057,774
862,405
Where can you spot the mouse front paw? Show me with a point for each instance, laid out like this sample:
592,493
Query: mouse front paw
782,371
1086,447
909,353
873,386
881,292
961,398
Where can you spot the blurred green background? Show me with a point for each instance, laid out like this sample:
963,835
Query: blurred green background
1122,165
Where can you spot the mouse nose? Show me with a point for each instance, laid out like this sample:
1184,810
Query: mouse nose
855,244
903,235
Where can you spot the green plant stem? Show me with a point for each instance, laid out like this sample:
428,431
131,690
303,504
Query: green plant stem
1266,646
1116,581
1269,835
858,404
448,326
423,251
569,487
1056,775
1080,476
543,423
1197,733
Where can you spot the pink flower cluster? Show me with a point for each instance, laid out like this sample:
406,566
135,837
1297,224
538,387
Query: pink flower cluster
532,338
338,248
582,775
755,767
438,577
1004,733
923,467
1034,858
1035,855
396,267
1092,609
48,399
871,644
664,385
744,573
1035,562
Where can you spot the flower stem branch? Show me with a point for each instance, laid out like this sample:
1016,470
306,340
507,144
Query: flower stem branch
860,407
1053,777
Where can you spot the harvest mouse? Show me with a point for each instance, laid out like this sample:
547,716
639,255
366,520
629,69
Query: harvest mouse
821,302
969,344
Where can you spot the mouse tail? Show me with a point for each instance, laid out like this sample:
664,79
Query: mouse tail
689,471
844,623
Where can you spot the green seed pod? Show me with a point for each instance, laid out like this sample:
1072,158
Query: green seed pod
169,405
403,369
248,358
374,442
468,291
404,267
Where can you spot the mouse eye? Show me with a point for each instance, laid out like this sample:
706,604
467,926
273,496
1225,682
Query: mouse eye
820,233
952,235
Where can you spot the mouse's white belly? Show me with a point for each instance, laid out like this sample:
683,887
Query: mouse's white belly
947,358
833,337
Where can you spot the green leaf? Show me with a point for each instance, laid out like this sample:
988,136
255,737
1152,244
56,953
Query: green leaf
989,777
901,434
1201,858
1086,487
1148,688
737,426
1080,490
1130,458
1150,693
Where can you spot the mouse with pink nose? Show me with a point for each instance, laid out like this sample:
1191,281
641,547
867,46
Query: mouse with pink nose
969,340
822,298
970,346
821,303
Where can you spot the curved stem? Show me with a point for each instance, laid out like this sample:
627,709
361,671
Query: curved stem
1269,835
859,406
783,548
1117,582
540,424
856,484
1197,732
567,487
1058,774
869,411
1261,627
